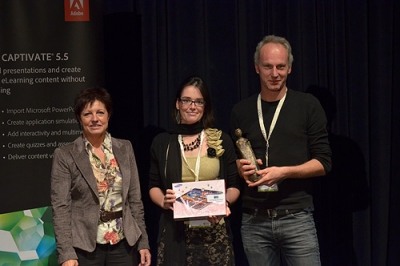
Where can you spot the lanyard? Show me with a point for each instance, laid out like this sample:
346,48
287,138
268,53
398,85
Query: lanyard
274,119
197,169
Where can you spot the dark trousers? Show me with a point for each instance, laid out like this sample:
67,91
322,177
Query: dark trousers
120,254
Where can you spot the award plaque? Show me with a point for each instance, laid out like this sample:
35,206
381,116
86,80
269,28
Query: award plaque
246,152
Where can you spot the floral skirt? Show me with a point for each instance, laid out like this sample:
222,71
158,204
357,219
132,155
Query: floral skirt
204,246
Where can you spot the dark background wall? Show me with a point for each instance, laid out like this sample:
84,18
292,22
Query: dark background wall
346,53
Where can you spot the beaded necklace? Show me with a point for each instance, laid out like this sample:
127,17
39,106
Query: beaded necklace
193,145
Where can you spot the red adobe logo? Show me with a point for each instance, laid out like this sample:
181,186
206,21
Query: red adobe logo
76,10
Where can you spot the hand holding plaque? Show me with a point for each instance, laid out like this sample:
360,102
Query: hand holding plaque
246,151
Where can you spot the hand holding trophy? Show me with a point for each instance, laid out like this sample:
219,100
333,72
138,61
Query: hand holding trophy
246,151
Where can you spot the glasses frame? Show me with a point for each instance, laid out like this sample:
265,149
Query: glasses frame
190,102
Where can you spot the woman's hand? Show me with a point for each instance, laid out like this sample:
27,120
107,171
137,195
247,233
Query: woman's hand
217,219
214,219
145,257
168,200
70,263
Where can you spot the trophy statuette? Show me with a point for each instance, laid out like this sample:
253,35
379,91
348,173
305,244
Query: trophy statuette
246,151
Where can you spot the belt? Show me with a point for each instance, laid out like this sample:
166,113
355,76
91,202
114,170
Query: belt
270,213
108,216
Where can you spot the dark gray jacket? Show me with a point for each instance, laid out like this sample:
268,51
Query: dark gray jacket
75,199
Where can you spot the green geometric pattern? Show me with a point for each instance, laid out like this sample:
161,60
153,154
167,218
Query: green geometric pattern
27,238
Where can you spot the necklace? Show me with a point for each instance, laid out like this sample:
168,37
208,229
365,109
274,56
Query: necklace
193,145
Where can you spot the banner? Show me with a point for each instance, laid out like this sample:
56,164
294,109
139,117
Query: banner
49,51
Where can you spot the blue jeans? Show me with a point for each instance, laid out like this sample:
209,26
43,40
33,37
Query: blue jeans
293,235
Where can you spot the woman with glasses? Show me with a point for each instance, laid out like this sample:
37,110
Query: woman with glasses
192,151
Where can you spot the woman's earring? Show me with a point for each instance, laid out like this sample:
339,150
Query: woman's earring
178,117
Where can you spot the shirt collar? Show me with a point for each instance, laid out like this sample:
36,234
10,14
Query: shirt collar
106,145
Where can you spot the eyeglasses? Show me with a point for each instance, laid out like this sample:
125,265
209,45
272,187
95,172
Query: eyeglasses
198,103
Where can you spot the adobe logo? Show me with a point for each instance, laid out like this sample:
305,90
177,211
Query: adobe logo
76,10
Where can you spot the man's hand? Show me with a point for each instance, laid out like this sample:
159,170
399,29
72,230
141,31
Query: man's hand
269,176
246,169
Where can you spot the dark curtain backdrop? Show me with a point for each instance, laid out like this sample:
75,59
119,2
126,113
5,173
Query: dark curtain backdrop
345,52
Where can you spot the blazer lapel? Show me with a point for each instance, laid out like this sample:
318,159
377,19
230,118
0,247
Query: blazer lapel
122,157
83,163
